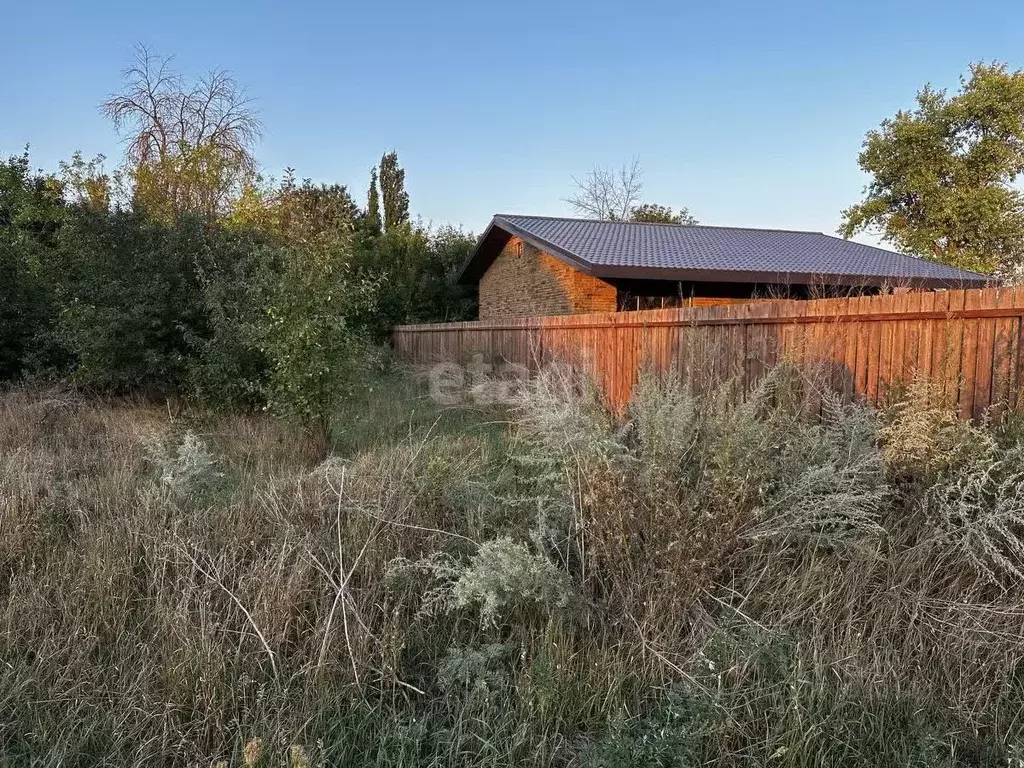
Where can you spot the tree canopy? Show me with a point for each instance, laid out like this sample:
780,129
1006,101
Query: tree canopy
943,173
190,142
392,191
653,213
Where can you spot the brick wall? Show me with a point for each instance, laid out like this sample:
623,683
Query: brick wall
525,281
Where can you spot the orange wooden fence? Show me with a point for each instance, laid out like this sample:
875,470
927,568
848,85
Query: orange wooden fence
968,341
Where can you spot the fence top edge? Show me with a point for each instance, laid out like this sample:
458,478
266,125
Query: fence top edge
767,319
777,309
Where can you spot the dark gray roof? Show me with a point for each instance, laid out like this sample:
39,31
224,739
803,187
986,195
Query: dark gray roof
613,249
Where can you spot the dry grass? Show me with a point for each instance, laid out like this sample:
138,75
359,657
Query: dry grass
707,582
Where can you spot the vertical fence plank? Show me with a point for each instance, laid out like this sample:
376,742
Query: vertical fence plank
874,341
897,362
1003,355
947,346
969,356
985,355
912,338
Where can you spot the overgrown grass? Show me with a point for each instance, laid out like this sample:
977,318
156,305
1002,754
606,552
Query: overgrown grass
782,580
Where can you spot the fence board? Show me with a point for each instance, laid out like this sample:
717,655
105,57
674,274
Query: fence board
970,342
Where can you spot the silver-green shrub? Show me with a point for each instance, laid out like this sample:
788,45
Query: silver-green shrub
504,578
978,512
185,467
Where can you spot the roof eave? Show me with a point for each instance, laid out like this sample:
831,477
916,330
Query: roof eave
783,278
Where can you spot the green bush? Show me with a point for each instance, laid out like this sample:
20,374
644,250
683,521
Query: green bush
31,214
129,299
228,368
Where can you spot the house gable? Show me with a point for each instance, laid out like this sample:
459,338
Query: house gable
523,281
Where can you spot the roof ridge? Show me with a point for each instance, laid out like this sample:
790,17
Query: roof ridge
655,224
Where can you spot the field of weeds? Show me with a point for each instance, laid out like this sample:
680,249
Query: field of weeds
783,581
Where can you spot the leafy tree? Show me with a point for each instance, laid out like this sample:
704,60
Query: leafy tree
373,205
313,347
943,174
441,298
659,214
414,268
254,208
284,241
293,211
86,184
189,142
392,191
309,212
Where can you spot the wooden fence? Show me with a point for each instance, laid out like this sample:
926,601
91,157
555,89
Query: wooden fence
969,342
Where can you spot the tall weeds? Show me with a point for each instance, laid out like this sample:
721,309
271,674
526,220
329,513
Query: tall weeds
778,579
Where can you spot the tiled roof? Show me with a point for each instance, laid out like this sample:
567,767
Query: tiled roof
672,251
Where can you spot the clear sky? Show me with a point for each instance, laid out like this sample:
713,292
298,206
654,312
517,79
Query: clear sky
749,113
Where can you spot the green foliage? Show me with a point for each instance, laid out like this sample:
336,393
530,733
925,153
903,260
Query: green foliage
924,437
31,215
189,141
943,174
130,301
394,198
659,214
274,303
120,301
979,511
86,184
504,579
186,271
310,342
671,734
185,468
475,669
111,280
372,215
197,180
416,269
310,214
227,367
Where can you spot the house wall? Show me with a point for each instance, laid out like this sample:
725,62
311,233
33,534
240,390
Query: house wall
525,281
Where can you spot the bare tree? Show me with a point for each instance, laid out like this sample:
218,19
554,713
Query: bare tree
189,144
606,193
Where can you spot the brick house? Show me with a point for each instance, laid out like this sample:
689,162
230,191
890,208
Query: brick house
537,265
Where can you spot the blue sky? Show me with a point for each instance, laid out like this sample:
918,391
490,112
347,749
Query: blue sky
749,113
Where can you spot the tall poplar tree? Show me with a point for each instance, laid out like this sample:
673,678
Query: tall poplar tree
373,204
392,188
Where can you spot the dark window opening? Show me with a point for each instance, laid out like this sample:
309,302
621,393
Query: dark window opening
667,294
